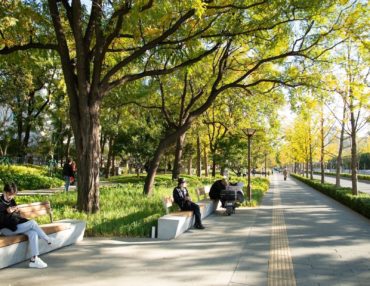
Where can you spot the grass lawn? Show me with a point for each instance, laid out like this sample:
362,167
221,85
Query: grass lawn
124,210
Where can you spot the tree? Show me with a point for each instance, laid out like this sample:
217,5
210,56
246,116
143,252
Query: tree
136,33
123,41
26,84
302,138
355,64
217,129
5,129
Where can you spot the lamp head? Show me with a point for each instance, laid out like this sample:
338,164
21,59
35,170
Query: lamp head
249,131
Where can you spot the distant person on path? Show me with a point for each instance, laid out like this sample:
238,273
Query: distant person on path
67,173
181,197
244,172
12,223
216,188
285,173
254,171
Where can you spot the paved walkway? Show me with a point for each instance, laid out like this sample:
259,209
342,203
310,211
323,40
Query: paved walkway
56,190
297,237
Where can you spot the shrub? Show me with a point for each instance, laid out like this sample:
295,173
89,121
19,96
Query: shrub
360,203
359,176
28,178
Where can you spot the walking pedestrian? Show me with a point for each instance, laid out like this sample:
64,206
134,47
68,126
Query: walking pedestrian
285,173
67,173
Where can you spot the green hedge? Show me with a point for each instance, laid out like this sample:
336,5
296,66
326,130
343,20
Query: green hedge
359,176
360,203
29,178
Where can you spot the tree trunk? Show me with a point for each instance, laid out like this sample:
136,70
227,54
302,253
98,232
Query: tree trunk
213,166
178,156
199,159
307,160
190,165
311,164
322,149
60,143
222,170
4,149
154,164
28,120
19,120
354,163
112,169
340,151
163,145
87,137
205,162
311,159
103,141
68,145
27,132
109,159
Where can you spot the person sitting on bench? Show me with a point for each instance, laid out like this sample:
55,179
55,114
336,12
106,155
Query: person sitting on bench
12,223
181,197
216,188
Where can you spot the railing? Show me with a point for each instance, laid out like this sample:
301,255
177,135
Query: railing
6,160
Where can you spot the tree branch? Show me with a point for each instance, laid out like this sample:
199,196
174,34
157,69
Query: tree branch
143,49
164,109
236,6
147,6
164,71
6,50
95,6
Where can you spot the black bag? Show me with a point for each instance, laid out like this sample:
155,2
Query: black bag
12,220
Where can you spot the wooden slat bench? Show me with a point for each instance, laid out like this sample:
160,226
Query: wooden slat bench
37,209
202,193
175,223
14,249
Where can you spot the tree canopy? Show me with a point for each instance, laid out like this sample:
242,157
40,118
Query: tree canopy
179,56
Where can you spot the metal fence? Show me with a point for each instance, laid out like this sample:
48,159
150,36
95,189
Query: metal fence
34,160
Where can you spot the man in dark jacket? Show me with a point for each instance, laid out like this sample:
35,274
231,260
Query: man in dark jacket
216,188
181,197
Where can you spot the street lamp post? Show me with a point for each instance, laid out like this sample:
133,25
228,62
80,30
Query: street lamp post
249,132
265,164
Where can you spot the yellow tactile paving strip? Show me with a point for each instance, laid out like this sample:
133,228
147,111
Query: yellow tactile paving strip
280,271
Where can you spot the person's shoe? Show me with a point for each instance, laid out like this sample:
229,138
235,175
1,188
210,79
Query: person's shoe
51,241
199,226
38,263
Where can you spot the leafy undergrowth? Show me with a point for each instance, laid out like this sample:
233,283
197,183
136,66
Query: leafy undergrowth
29,177
124,210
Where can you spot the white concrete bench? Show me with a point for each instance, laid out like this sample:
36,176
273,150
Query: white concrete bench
174,224
14,249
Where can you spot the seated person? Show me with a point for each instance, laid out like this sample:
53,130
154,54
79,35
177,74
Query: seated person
12,223
216,188
181,197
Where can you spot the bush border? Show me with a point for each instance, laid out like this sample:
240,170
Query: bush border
346,175
360,203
